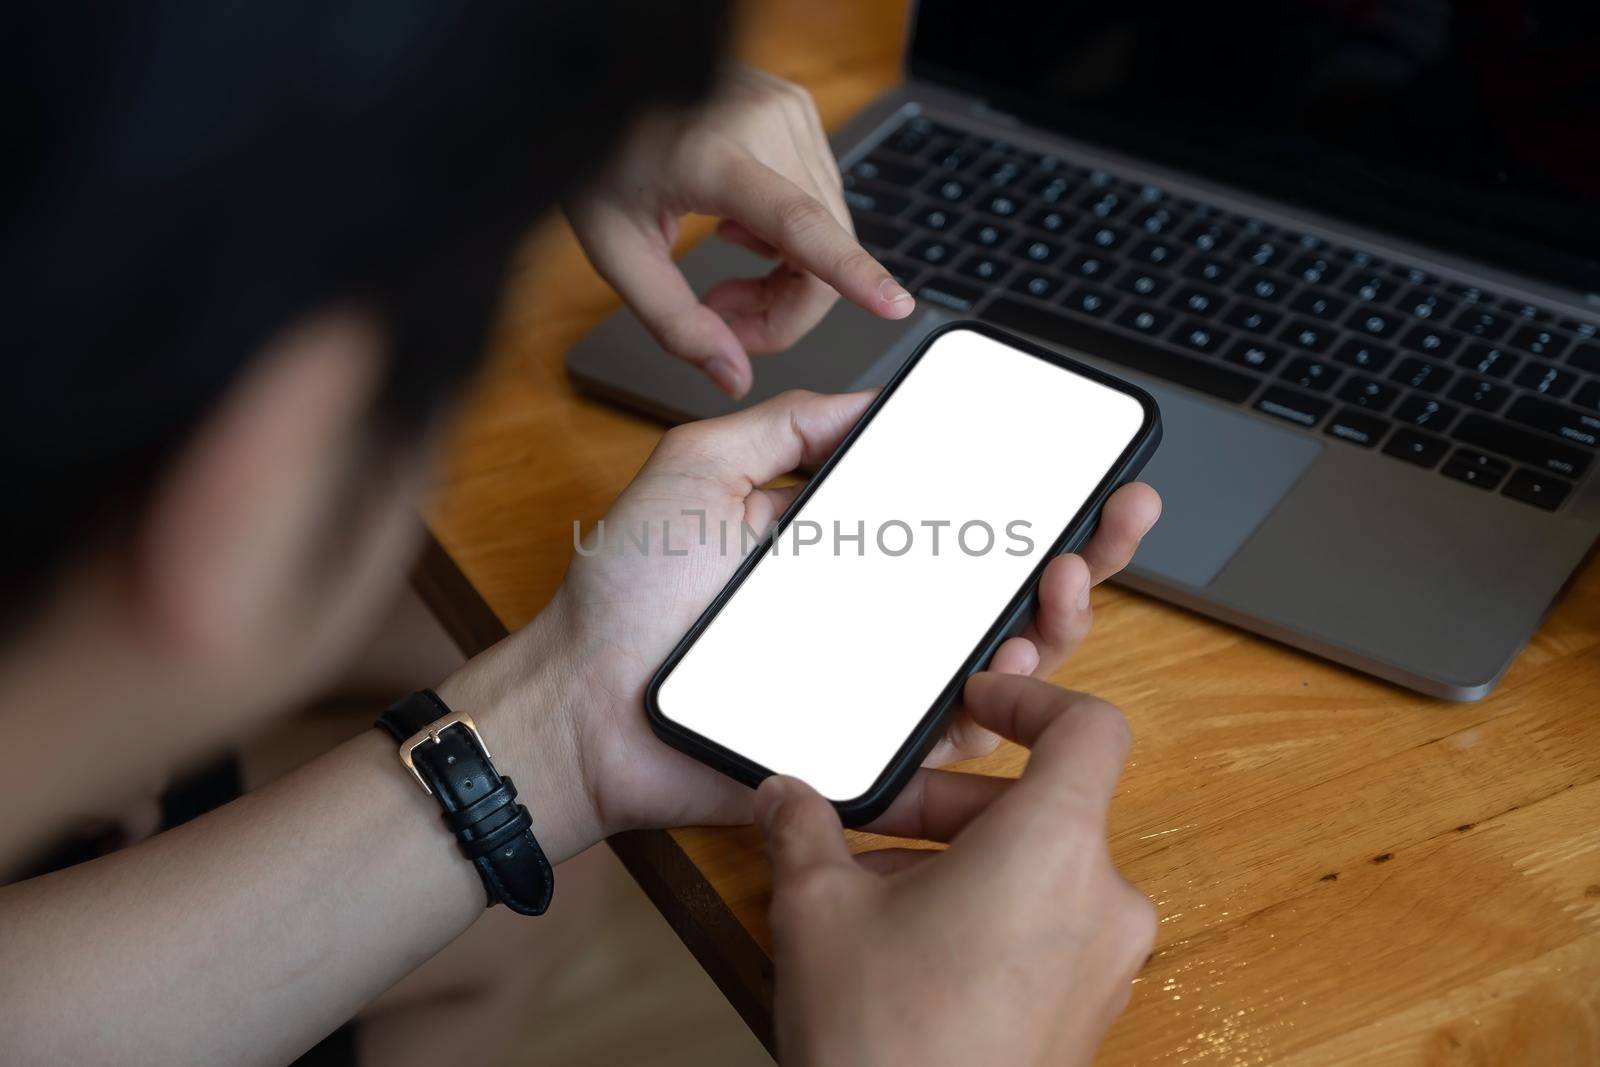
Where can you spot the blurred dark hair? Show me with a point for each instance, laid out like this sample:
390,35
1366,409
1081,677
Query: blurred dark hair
188,177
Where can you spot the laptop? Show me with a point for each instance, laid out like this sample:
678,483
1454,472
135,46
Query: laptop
1352,249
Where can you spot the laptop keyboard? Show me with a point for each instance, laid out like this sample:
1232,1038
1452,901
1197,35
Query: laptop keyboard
1492,392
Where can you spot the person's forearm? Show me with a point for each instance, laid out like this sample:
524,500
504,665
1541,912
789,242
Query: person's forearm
246,935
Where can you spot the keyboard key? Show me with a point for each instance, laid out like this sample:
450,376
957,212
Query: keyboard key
1480,322
1261,253
1425,413
866,199
1144,319
1420,374
1488,360
1569,424
1092,266
1313,374
1536,450
1427,304
951,190
1431,341
949,293
1254,354
1248,316
934,251
1422,449
1316,270
1311,336
1545,379
1198,301
1208,236
1536,488
1588,396
1585,357
1153,220
1321,305
984,267
953,155
1051,220
1103,204
1001,205
1000,170
1528,312
911,138
1053,188
1088,300
1580,328
1370,287
1157,252
1306,242
1131,352
1359,257
1475,468
1357,427
1376,323
1040,252
1369,393
882,168
937,218
1262,287
1103,235
1140,282
1364,354
1412,275
1539,340
1467,294
1209,269
880,233
1037,284
1480,393
1198,336
987,234
1294,407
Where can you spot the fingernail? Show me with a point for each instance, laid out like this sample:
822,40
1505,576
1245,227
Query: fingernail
769,798
1083,593
895,295
725,373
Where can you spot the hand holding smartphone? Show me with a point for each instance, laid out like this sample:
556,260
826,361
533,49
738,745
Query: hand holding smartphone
906,561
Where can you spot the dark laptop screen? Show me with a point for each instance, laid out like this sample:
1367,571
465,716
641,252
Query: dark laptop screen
1475,126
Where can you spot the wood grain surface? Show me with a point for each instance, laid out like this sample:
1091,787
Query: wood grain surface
1346,872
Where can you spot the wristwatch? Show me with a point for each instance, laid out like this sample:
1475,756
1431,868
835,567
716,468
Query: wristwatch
445,753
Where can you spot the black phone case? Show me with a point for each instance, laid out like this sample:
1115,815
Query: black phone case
1012,620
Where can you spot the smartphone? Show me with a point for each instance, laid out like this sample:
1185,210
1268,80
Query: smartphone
838,651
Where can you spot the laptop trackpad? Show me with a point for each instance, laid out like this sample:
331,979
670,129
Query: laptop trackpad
1219,474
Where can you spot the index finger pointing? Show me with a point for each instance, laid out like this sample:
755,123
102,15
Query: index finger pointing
787,217
1079,742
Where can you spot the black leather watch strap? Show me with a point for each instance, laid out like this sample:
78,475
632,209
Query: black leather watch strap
495,832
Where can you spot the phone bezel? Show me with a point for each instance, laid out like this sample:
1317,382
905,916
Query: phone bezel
1011,620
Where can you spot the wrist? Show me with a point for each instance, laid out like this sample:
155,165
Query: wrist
524,696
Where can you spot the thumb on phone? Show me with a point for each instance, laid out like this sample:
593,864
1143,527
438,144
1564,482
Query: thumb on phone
802,831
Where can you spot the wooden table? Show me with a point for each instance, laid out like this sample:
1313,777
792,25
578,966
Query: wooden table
1346,872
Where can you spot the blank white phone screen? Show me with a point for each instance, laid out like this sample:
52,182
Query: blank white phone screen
842,637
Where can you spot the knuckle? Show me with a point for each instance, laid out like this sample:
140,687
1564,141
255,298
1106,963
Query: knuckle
799,216
857,262
1135,921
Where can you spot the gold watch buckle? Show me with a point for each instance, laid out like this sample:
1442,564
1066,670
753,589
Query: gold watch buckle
431,733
